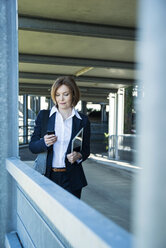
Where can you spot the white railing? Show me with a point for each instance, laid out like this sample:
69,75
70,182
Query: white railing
48,216
123,146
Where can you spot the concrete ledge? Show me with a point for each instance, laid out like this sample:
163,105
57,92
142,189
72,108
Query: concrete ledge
12,241
98,158
81,225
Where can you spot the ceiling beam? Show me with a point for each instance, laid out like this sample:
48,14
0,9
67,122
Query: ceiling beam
97,90
85,91
85,79
35,85
82,89
44,92
57,60
96,99
36,92
76,28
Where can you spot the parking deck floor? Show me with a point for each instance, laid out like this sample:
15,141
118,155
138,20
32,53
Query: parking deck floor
109,191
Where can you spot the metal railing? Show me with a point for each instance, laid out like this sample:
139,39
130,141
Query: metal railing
25,133
122,146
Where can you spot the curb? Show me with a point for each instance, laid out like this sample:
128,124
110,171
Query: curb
115,163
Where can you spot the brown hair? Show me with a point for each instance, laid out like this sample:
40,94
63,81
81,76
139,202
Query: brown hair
71,84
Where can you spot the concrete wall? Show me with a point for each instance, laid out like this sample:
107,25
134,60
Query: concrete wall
8,111
98,140
48,216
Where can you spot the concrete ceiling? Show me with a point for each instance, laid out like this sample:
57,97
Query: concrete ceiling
92,40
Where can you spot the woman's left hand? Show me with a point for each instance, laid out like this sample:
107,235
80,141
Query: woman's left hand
73,157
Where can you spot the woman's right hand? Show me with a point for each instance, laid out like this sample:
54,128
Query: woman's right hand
50,139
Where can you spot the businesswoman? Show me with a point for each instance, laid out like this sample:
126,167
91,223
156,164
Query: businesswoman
64,167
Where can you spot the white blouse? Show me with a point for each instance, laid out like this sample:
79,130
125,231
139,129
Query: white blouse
63,130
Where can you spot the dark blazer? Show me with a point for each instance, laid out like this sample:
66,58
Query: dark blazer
37,145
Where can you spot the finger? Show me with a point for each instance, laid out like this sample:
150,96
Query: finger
51,136
69,155
52,139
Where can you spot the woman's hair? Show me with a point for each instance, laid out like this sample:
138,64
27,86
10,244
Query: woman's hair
71,84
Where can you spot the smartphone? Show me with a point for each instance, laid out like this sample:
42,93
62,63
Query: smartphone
50,132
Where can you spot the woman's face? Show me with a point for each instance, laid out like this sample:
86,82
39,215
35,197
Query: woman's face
63,97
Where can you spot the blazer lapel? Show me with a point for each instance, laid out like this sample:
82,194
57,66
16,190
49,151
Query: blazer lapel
51,122
76,126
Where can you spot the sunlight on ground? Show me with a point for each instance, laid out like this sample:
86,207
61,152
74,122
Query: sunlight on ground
104,159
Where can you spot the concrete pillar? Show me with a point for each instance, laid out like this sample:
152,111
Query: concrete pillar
116,121
9,111
50,102
32,107
37,104
83,107
112,125
103,112
25,118
120,111
150,202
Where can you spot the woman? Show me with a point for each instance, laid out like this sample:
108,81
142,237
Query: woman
64,166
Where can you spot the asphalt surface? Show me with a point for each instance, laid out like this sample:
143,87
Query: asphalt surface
109,191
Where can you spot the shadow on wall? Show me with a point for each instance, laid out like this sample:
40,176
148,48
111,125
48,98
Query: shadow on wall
99,143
